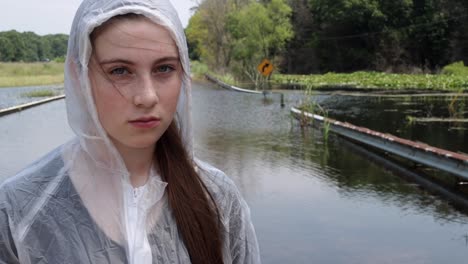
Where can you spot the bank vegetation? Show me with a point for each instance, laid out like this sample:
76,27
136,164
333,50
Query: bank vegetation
368,43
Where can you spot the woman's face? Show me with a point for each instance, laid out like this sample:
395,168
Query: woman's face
135,74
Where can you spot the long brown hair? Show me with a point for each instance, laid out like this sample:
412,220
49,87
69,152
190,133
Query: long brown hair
193,207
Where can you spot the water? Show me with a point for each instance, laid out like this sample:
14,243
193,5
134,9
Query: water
312,201
390,115
27,135
321,202
16,95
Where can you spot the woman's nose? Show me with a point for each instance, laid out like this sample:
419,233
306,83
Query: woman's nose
147,94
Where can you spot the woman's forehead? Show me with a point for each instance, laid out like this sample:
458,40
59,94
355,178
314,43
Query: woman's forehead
141,34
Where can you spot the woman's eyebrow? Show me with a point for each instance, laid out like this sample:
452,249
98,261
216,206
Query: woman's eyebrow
112,61
167,59
124,61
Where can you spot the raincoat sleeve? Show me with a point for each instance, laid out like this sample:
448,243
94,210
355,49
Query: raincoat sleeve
241,241
8,253
242,238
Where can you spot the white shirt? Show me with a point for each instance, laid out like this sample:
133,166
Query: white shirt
138,201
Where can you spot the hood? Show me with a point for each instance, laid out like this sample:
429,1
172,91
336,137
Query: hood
81,110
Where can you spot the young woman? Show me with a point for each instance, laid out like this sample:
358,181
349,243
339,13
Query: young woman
127,189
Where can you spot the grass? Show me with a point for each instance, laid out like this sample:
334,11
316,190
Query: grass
28,74
199,70
41,93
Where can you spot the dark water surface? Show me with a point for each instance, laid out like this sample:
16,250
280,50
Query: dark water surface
312,201
392,115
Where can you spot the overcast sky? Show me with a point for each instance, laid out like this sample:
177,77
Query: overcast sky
55,16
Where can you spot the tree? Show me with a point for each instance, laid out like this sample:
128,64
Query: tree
198,38
430,33
300,54
7,50
259,31
58,45
29,47
346,33
207,31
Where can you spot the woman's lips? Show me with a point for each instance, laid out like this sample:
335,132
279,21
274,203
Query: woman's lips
150,122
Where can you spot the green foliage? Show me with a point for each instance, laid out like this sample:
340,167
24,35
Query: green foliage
29,47
373,80
236,35
207,33
456,68
260,30
319,36
40,93
391,36
7,49
197,36
199,69
60,59
338,32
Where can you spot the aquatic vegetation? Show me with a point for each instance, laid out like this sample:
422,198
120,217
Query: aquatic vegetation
456,107
376,80
40,93
314,108
411,120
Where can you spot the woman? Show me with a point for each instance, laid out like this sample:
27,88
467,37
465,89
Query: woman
127,189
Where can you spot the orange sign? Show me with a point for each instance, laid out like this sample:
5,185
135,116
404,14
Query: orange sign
265,68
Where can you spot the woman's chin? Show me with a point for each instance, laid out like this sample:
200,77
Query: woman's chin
136,143
140,144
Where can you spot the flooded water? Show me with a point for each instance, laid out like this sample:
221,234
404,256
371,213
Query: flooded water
29,134
311,200
18,95
393,115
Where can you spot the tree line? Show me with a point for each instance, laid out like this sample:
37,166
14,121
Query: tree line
30,47
317,36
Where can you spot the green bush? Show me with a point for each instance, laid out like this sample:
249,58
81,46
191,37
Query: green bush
457,68
199,69
60,59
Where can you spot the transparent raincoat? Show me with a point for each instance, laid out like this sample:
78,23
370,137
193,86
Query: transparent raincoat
76,204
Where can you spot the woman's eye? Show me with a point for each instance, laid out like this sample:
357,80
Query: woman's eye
119,71
165,68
